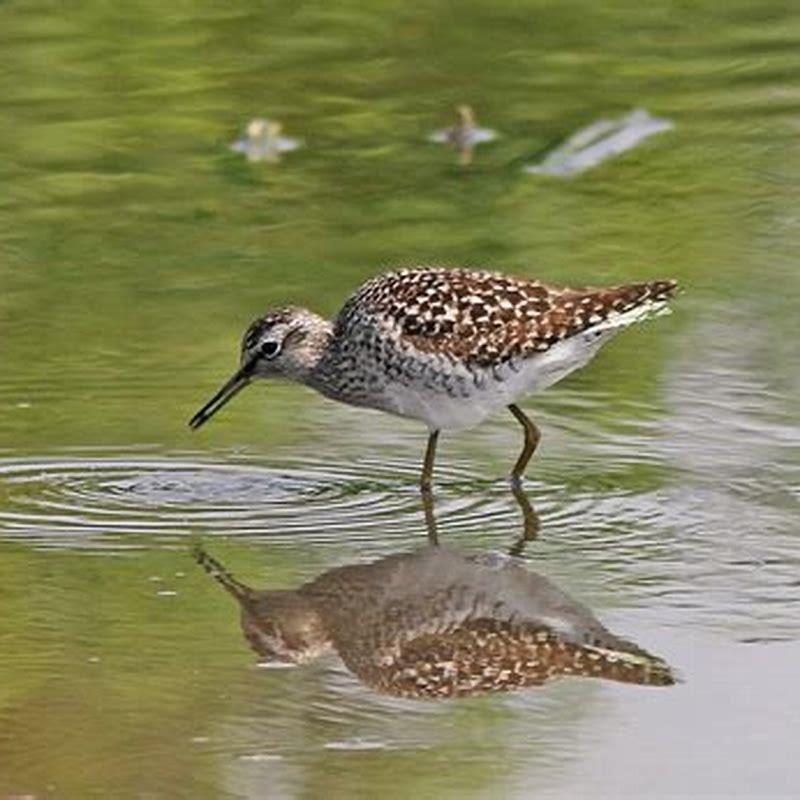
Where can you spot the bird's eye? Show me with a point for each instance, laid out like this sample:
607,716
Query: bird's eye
269,349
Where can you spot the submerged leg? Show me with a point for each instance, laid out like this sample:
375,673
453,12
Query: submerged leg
430,516
532,437
427,466
425,482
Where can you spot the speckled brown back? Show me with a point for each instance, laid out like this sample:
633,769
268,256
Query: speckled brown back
485,318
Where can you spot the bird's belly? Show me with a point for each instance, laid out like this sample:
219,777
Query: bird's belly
440,410
477,394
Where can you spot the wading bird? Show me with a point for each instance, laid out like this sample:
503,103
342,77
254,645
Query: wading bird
448,347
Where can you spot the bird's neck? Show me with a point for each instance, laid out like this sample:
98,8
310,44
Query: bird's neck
312,349
328,371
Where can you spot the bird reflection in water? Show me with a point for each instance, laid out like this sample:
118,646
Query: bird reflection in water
438,622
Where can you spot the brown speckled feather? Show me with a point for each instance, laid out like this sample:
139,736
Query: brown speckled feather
484,318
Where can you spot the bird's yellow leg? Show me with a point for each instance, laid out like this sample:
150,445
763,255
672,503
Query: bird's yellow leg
426,479
532,437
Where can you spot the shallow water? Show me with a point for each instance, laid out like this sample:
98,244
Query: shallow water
134,249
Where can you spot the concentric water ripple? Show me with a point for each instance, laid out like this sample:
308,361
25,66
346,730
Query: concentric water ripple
640,545
79,502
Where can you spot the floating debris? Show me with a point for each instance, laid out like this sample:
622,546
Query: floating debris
355,744
263,141
464,135
598,142
260,757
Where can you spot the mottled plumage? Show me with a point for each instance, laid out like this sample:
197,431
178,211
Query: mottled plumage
484,318
445,346
438,623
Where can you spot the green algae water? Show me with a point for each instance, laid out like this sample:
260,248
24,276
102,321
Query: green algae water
135,246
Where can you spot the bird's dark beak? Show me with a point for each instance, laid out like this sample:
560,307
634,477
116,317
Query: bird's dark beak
226,393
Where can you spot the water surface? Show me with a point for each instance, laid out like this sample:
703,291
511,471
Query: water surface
135,247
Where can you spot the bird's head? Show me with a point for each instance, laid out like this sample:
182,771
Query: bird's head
284,343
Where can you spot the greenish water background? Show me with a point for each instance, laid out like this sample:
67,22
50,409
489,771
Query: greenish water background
134,248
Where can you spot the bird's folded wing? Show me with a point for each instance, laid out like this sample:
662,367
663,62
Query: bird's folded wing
486,318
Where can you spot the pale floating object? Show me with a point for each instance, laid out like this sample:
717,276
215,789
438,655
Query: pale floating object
464,135
600,141
260,757
355,744
263,141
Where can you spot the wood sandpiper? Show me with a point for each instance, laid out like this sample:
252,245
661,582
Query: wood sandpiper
448,347
438,622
